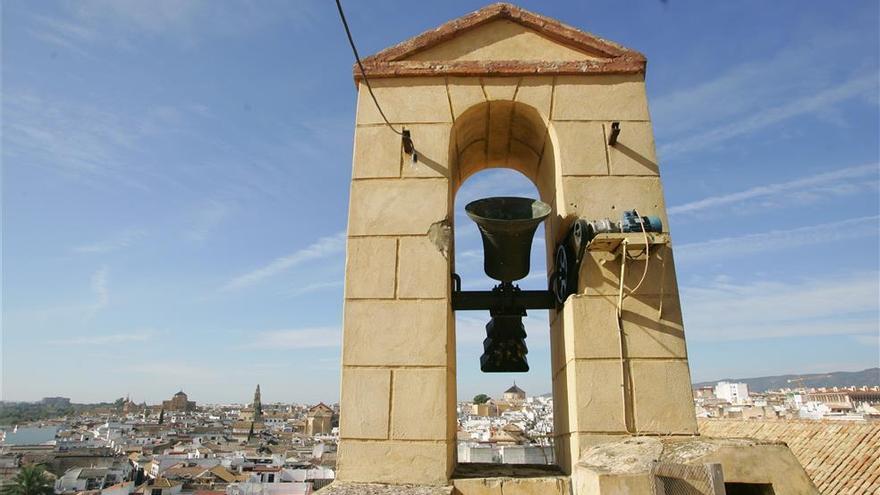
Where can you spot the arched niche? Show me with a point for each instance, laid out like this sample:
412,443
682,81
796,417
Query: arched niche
507,134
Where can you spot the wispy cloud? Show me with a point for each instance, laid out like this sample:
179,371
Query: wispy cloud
75,139
118,338
67,34
766,309
302,338
871,340
123,23
727,247
100,289
322,248
863,85
747,87
207,218
838,182
121,240
315,287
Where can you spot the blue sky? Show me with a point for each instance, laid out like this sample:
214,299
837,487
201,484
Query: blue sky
175,186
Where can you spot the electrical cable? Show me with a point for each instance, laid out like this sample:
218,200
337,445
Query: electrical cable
360,64
625,378
647,256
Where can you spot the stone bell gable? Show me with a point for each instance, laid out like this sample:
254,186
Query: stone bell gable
503,40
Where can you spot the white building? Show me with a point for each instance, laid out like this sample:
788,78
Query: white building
735,393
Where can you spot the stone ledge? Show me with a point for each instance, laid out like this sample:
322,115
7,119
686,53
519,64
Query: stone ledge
637,454
469,470
348,488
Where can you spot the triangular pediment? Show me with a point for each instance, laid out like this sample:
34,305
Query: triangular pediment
502,39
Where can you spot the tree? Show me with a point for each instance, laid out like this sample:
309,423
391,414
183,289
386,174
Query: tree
30,480
481,399
161,416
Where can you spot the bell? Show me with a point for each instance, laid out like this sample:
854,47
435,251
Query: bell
507,226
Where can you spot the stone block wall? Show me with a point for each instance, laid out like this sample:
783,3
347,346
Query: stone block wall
398,381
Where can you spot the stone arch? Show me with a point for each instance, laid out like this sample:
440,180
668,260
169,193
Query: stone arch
516,136
506,134
499,133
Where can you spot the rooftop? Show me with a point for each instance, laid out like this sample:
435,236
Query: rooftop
840,457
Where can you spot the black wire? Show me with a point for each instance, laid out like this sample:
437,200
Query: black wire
361,66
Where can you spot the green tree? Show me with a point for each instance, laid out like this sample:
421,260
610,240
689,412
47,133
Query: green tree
30,480
481,399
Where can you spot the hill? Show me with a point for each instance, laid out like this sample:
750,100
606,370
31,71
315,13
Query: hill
870,376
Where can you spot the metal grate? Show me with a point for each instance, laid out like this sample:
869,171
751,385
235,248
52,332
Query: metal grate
683,479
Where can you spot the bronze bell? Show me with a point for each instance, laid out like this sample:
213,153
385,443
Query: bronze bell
507,226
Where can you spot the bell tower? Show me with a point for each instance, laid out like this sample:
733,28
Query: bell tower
258,405
503,87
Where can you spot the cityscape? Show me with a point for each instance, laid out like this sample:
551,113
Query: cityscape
180,447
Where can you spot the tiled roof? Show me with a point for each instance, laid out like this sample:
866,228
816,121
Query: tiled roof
842,458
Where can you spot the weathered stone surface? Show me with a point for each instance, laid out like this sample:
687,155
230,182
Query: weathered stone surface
500,40
582,148
370,267
634,153
600,197
396,206
419,409
612,466
556,485
596,389
600,275
626,456
472,160
377,152
395,333
478,486
423,271
365,412
500,88
662,397
432,145
464,93
650,333
509,479
405,100
647,333
500,113
349,488
528,128
605,98
536,92
423,463
522,158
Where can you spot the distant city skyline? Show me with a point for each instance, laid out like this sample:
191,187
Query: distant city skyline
175,190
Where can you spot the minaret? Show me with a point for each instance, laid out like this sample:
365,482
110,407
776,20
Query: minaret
258,407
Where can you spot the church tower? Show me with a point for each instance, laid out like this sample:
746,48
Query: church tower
258,407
